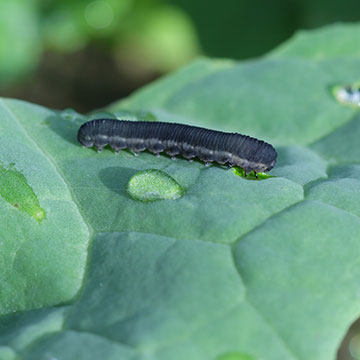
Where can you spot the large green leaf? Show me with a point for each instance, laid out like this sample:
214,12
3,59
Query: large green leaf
219,267
329,41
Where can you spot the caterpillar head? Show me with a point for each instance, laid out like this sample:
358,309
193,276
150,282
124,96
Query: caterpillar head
85,138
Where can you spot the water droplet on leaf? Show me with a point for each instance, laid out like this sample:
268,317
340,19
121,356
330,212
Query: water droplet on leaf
354,346
235,356
15,189
70,114
153,185
348,95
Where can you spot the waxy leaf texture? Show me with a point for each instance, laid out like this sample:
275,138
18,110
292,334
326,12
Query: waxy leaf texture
211,266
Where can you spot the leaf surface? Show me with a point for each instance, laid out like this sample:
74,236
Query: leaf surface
228,268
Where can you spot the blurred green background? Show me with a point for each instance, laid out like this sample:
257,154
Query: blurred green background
85,54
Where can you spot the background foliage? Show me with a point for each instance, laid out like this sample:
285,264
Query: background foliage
59,53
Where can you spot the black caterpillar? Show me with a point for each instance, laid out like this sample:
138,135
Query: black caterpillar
178,139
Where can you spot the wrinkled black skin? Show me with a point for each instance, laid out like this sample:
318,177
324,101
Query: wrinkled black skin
178,139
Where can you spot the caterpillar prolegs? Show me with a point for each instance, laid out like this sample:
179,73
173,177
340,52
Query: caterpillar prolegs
177,139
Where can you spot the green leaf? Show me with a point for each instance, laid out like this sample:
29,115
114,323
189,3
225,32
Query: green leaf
218,267
42,261
286,100
337,40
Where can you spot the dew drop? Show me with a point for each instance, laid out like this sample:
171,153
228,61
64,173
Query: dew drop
354,346
235,356
70,114
348,95
15,189
153,185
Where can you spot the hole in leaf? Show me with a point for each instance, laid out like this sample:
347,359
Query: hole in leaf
251,176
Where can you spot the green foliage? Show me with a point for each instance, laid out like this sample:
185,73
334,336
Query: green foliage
20,44
154,34
314,44
232,269
247,28
157,35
